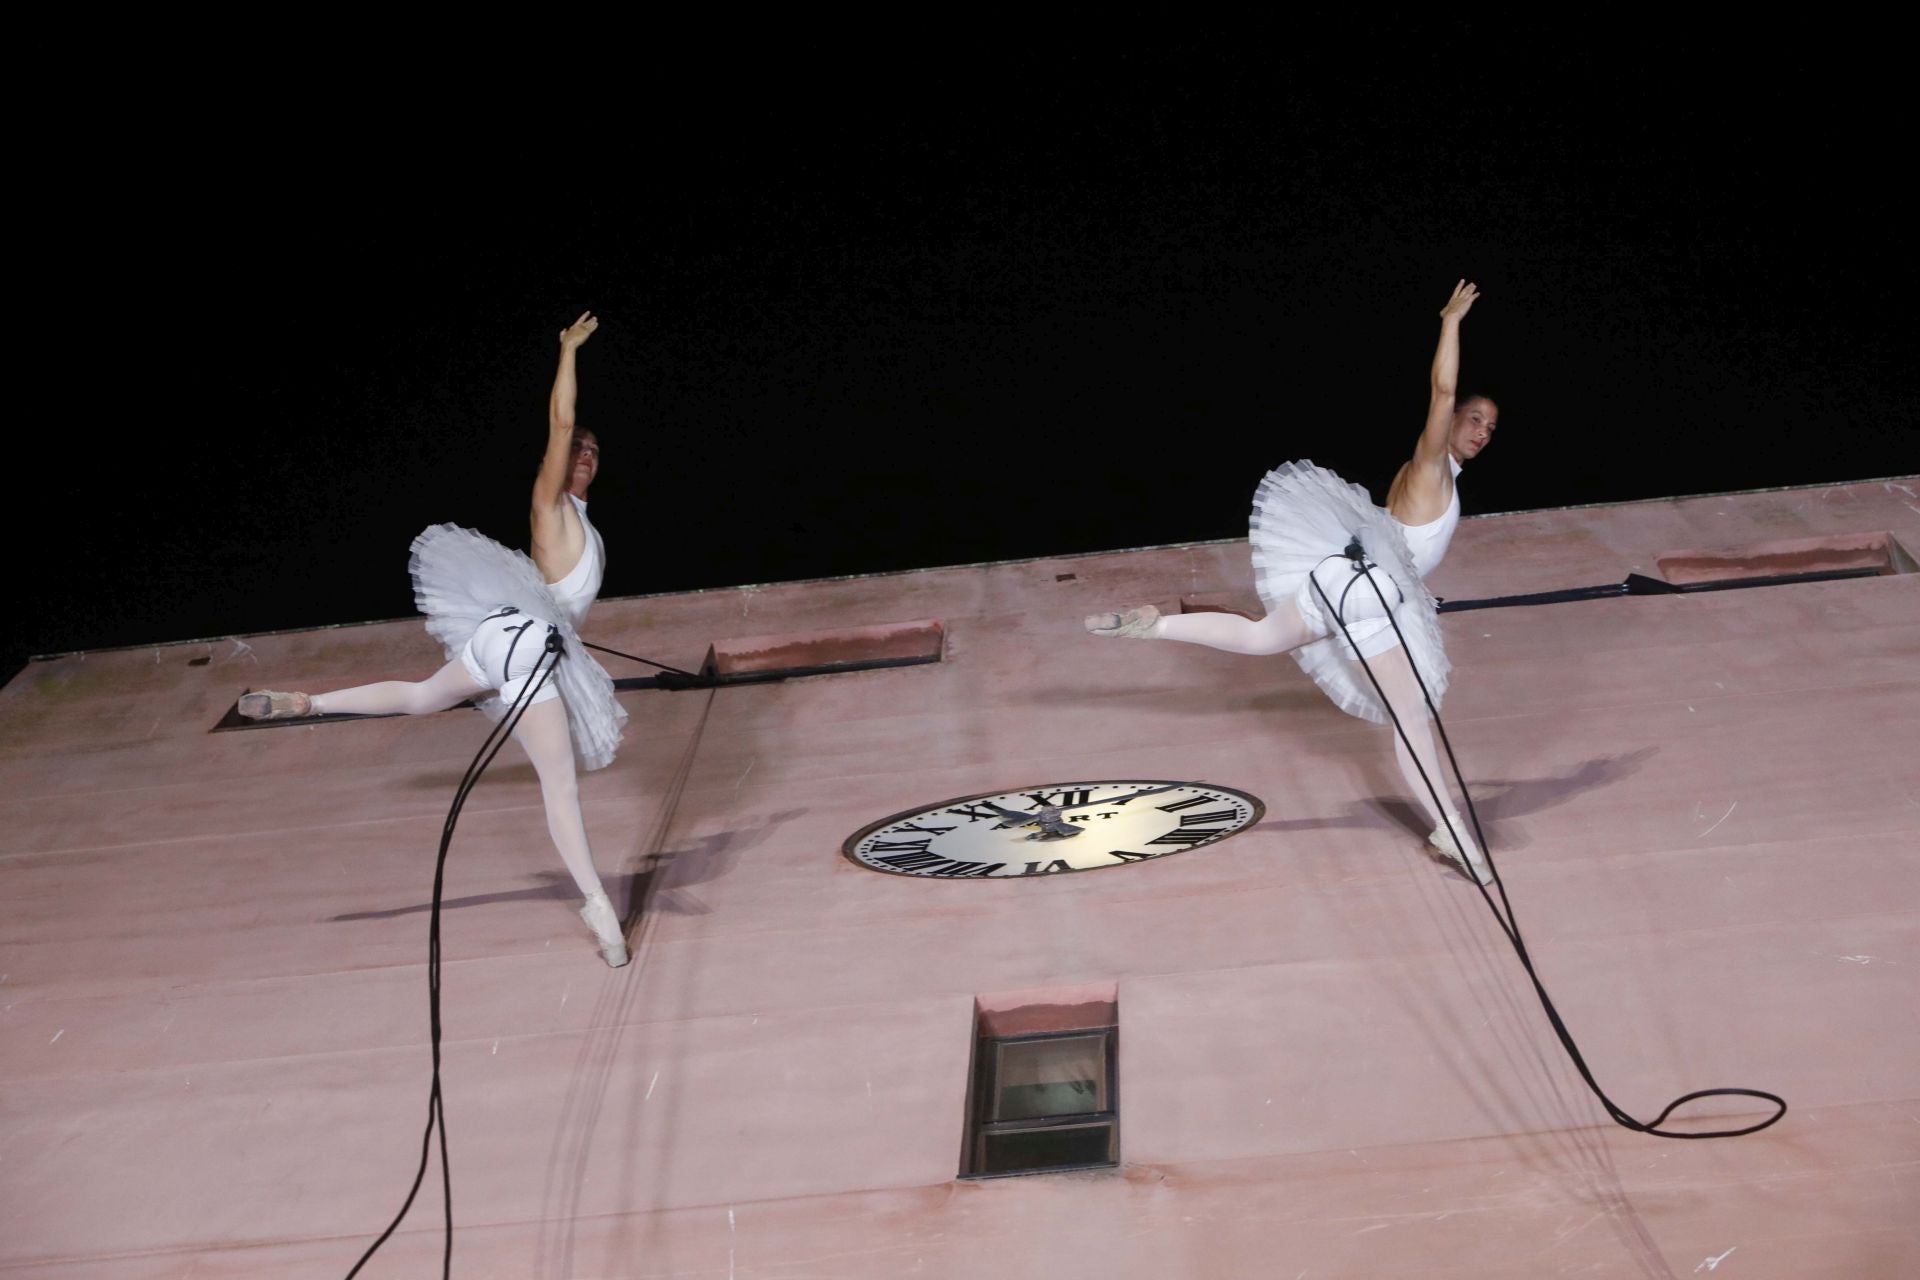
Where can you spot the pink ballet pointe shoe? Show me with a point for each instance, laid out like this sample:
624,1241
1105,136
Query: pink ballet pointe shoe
605,923
268,705
1136,623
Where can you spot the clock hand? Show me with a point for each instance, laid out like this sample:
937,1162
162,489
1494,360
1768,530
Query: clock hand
1009,817
1047,819
1052,827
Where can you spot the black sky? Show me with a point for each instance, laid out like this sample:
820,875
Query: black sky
883,299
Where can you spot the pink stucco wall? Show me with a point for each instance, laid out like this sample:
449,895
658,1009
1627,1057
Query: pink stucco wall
1707,809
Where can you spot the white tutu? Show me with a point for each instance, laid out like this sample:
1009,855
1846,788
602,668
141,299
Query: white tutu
1301,515
460,576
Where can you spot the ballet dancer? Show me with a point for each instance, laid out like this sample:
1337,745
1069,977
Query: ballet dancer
493,610
1304,518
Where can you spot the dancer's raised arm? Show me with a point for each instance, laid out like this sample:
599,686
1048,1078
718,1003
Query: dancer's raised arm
1445,378
1423,490
571,460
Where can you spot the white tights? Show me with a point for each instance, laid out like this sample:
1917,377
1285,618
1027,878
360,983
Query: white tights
1279,631
1284,629
542,733
448,687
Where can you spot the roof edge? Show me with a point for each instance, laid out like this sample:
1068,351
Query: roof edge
976,564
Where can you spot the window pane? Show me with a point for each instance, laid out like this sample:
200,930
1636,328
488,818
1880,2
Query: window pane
1037,1149
1064,1077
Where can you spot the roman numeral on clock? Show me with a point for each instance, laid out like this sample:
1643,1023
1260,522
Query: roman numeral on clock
912,861
932,864
1047,869
960,868
1202,819
1188,803
1184,837
1128,855
902,846
1065,799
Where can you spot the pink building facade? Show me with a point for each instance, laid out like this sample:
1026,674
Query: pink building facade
1706,808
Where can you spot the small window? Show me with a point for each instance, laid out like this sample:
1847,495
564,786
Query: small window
1044,1103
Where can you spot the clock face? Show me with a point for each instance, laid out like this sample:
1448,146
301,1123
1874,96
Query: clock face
1044,830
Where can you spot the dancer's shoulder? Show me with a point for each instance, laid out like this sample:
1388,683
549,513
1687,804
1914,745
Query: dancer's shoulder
1422,491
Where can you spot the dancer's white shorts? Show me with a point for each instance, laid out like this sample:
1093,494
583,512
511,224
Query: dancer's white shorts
1353,599
507,651
460,578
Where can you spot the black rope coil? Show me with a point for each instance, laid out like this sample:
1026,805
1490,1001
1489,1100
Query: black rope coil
1509,923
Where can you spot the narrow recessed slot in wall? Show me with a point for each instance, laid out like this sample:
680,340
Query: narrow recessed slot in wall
1044,1091
1786,562
1243,603
751,659
1864,554
233,720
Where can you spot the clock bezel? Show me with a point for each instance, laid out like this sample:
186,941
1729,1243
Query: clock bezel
847,846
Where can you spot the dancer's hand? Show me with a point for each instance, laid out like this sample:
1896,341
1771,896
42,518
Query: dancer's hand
1462,300
578,332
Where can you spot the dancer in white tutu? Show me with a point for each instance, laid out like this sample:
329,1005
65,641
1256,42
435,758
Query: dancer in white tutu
1304,518
494,611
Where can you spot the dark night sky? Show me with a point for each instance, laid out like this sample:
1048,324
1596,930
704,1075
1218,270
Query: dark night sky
930,302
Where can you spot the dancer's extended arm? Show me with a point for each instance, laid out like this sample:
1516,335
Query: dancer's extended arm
1444,381
558,538
1424,486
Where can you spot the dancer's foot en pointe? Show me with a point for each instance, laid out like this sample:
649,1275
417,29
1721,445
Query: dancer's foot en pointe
605,923
268,705
1142,622
1474,865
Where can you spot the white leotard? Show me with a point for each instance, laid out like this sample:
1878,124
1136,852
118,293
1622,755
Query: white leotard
575,593
1428,542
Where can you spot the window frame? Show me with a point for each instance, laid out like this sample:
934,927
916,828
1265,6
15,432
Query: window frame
984,1087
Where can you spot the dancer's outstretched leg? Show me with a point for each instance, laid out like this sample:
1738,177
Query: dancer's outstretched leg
1279,631
542,733
448,687
1395,674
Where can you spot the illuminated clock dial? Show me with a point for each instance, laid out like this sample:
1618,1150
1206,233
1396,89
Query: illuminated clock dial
1045,830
